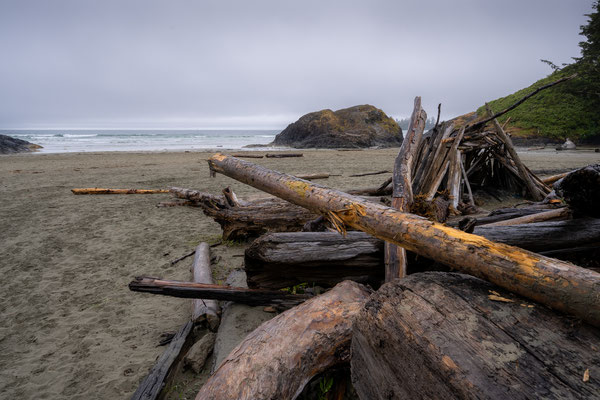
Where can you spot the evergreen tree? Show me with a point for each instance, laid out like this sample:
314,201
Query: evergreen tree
588,65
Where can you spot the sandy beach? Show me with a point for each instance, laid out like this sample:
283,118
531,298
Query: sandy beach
71,328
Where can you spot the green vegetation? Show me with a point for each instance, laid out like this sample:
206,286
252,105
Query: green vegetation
570,109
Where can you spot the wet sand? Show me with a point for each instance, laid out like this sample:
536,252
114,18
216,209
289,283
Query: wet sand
71,328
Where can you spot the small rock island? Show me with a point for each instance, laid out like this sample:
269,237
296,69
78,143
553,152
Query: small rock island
354,127
11,145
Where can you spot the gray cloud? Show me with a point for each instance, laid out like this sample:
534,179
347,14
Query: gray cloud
259,63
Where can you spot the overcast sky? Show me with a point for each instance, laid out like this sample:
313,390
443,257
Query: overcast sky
263,64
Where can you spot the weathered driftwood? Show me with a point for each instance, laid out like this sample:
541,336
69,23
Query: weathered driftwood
559,213
283,155
581,190
312,177
279,260
534,191
247,219
555,283
192,290
402,194
549,180
545,236
277,359
451,336
504,214
162,372
204,309
385,171
247,155
117,191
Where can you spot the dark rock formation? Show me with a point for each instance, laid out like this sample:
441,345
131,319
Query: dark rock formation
10,145
354,127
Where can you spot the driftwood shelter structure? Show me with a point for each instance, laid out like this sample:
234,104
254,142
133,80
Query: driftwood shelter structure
418,295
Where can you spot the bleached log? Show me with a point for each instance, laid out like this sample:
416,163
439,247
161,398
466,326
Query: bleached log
204,309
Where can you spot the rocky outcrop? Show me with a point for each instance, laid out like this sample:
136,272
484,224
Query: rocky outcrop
10,145
354,127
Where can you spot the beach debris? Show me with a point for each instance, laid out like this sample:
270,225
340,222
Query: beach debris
199,352
204,310
402,194
437,335
276,360
586,375
580,189
248,155
545,280
117,191
193,290
385,171
183,257
279,260
162,371
283,155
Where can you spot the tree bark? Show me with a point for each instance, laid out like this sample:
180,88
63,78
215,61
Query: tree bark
283,354
451,336
557,284
402,195
204,309
192,290
279,260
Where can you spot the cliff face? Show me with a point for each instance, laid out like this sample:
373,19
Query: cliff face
10,145
354,127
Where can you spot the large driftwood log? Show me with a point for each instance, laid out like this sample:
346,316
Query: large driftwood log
283,354
451,336
192,290
559,213
581,190
402,194
555,283
204,309
279,260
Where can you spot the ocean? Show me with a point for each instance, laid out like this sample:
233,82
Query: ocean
67,141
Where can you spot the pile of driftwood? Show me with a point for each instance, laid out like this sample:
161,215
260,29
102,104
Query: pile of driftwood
485,311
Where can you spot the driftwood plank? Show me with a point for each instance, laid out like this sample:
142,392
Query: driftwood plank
152,385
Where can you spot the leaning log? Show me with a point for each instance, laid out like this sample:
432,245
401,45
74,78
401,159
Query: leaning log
559,213
581,190
117,191
204,309
192,290
555,283
277,359
402,194
279,260
451,336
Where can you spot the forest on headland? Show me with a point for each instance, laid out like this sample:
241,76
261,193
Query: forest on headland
571,109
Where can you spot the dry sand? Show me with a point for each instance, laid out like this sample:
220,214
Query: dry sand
70,327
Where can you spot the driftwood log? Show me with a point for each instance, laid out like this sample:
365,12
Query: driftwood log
283,354
451,336
192,290
117,191
252,218
162,372
559,213
555,283
581,190
402,194
204,309
279,260
283,155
